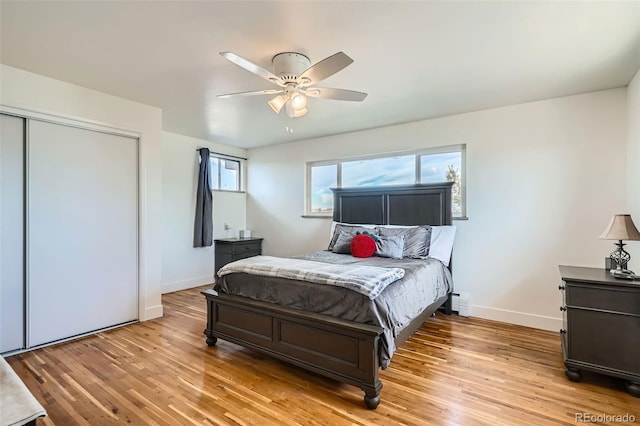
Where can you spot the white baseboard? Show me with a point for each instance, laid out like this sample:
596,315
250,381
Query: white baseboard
519,318
185,284
151,313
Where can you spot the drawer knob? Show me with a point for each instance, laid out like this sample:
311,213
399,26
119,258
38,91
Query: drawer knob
563,308
560,287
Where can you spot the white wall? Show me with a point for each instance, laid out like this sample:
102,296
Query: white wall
543,180
36,93
633,166
184,266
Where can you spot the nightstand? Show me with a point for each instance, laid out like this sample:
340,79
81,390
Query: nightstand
231,249
601,325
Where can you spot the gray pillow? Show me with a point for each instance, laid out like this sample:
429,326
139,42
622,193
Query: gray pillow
392,246
342,244
416,239
349,228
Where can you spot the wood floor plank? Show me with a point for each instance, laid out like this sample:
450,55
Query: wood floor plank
453,371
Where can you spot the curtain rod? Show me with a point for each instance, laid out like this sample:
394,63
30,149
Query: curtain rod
225,155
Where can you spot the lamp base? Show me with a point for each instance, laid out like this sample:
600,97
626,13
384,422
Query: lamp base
624,274
619,257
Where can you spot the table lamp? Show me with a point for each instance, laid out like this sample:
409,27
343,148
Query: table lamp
621,228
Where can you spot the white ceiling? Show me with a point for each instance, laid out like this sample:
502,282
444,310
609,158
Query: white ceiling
416,60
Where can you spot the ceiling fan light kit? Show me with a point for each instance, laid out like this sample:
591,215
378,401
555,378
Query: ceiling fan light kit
298,101
277,103
294,74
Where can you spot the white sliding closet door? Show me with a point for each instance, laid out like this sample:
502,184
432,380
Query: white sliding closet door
82,233
11,233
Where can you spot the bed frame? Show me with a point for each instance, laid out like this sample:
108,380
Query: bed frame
345,351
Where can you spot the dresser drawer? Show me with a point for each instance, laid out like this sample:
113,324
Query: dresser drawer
604,339
620,299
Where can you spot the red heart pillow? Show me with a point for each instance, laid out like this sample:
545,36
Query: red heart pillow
363,246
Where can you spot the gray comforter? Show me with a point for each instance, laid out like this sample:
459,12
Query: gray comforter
424,282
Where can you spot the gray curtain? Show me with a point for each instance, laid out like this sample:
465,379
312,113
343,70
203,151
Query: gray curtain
203,229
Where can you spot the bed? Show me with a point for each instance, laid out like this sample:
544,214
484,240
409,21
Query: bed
345,350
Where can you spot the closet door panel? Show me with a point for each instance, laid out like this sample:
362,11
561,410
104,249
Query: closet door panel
11,233
82,231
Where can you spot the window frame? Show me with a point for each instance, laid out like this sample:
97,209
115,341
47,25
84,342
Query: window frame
459,148
239,178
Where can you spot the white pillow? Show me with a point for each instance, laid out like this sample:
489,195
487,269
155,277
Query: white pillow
442,243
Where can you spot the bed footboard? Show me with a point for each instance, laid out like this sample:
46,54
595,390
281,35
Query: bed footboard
342,350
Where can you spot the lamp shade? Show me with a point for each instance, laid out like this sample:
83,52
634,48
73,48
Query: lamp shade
621,227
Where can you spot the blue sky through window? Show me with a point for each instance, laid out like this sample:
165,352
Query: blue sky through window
433,167
322,179
379,171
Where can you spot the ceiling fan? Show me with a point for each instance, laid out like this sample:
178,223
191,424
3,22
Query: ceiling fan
296,78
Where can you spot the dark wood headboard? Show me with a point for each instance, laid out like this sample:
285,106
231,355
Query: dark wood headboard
419,204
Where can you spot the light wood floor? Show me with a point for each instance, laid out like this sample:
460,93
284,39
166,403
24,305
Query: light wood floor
453,371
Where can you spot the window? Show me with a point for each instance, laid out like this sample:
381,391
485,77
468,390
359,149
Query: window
446,164
224,173
322,179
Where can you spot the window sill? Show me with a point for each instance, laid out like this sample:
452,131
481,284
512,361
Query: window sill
460,218
228,190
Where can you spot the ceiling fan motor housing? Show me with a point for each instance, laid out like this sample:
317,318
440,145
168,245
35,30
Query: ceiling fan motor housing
289,65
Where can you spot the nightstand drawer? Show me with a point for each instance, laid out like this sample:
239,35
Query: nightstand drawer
244,255
252,246
240,247
603,298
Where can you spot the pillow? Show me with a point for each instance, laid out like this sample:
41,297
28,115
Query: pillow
392,246
442,243
363,225
347,227
416,239
363,245
342,244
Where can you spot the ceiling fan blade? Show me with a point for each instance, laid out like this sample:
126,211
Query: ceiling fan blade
250,66
337,94
253,93
325,68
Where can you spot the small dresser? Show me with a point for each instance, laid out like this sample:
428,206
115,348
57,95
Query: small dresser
231,249
601,325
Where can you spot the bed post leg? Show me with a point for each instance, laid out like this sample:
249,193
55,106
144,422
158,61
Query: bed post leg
211,339
372,395
211,314
448,305
372,399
